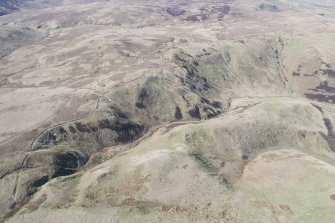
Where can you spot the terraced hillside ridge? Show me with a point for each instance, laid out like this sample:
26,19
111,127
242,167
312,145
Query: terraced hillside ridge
167,111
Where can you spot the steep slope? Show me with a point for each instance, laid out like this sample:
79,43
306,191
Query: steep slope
224,163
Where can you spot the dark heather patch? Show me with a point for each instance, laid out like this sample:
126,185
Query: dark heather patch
327,65
178,114
39,182
295,73
104,124
318,107
225,9
52,136
140,99
330,137
67,163
193,18
203,162
330,72
226,182
269,7
82,127
205,100
175,12
195,113
62,130
325,87
121,114
204,16
216,104
330,140
321,97
127,132
211,113
329,126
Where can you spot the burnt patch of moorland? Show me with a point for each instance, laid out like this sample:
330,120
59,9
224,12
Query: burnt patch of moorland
325,93
321,97
91,135
324,86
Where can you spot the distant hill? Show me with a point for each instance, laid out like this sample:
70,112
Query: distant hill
9,6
